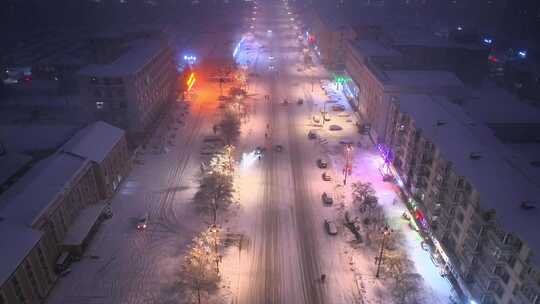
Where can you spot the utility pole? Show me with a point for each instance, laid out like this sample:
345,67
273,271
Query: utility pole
347,168
386,232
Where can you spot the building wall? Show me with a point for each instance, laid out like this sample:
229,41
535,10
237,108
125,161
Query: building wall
113,169
31,281
133,102
55,221
493,263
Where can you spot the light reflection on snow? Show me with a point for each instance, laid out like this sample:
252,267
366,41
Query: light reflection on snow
129,188
248,159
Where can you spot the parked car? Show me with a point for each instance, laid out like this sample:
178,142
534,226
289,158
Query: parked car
312,134
279,148
338,108
330,226
142,223
335,128
346,141
326,177
327,199
300,101
321,163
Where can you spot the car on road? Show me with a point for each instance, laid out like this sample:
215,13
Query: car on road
271,67
271,57
259,150
312,134
278,148
142,222
338,108
346,141
330,226
327,199
335,128
300,101
321,163
326,177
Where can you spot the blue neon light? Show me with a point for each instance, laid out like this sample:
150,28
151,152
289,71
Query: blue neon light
238,46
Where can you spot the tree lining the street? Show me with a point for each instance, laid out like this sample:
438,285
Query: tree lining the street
229,127
216,185
199,274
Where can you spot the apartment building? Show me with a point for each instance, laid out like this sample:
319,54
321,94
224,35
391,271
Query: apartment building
380,77
106,147
330,35
468,194
132,91
40,218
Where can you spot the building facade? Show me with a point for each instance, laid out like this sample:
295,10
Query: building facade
37,214
132,91
106,147
459,200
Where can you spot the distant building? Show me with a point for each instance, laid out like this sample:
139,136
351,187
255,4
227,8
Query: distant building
132,91
106,147
50,211
379,77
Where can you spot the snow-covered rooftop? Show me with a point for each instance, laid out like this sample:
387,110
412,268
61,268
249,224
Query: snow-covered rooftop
423,78
16,242
82,225
501,185
95,141
140,53
370,48
25,203
10,163
492,104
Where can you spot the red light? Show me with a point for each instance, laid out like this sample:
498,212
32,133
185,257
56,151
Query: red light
492,58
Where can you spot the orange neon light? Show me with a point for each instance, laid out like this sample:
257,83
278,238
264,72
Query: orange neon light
191,85
191,81
190,78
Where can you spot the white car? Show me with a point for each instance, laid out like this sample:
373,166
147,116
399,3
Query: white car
271,58
331,227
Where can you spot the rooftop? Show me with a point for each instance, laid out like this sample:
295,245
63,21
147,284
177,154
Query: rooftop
369,48
16,242
26,200
95,141
139,54
11,163
501,186
423,78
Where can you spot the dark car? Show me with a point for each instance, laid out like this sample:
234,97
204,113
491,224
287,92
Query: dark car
312,135
300,101
331,227
327,199
326,177
142,223
321,163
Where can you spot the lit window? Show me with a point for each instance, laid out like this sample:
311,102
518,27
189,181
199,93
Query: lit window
99,105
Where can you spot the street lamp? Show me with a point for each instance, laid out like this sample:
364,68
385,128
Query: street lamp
386,232
347,169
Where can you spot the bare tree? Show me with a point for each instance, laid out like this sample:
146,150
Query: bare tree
361,191
215,194
407,284
229,127
198,270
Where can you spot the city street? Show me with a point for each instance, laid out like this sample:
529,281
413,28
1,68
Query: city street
285,254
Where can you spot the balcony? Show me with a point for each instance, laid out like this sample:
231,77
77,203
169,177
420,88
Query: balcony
505,243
